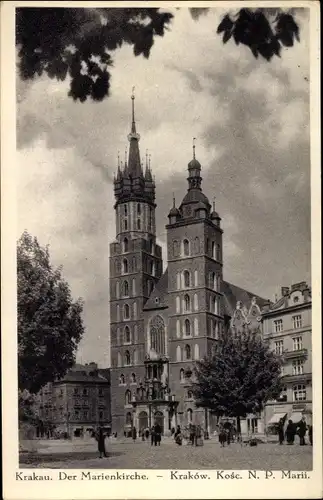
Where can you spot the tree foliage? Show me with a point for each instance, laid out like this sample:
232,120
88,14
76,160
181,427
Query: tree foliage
78,43
50,324
241,375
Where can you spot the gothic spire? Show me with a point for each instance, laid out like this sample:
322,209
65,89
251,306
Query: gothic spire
134,163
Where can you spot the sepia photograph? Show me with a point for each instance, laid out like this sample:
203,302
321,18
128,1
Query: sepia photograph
163,239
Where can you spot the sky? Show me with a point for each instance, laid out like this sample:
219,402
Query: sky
250,118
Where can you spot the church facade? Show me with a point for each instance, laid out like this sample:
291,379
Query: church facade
162,322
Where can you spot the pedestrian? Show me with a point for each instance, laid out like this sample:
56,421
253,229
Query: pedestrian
310,434
281,431
134,434
152,435
222,436
147,434
302,431
142,434
178,436
290,432
228,436
158,432
101,442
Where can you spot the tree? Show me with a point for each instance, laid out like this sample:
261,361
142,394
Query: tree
77,42
50,324
239,378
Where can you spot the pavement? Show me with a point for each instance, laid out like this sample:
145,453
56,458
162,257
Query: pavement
125,454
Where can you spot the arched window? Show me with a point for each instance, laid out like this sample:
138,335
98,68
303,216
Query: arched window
135,310
117,267
196,327
127,398
125,210
196,279
189,394
157,334
133,379
178,305
126,311
127,335
128,418
178,328
175,248
218,252
196,352
134,264
196,302
182,375
187,279
118,312
133,286
187,327
178,281
196,245
125,266
150,286
135,357
135,332
118,336
207,246
186,248
212,280
125,223
188,354
117,290
213,250
125,289
189,416
125,245
127,359
119,359
187,303
139,224
122,379
178,353
138,208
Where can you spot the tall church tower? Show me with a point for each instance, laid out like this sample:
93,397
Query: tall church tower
194,246
135,268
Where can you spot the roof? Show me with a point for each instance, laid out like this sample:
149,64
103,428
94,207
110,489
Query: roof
194,196
81,373
232,294
158,297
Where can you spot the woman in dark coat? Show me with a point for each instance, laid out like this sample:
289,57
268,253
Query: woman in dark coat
157,435
101,442
302,427
281,431
134,434
290,432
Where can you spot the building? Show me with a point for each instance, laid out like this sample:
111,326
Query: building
77,403
287,325
161,322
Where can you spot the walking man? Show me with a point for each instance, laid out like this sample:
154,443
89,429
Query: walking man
302,431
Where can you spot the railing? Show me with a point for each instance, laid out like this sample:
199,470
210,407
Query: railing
295,354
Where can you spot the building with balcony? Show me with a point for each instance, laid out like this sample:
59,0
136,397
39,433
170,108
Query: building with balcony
287,326
77,403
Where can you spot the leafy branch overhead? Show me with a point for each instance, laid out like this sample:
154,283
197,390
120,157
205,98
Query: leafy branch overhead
77,43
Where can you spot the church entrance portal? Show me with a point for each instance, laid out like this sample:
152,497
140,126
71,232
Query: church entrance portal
143,420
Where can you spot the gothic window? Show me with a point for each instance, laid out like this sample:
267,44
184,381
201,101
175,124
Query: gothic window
150,246
186,248
126,311
213,250
118,312
135,357
178,281
178,353
118,336
178,328
125,210
128,418
117,267
175,248
196,303
134,264
125,289
125,266
125,223
135,331
157,334
150,218
187,327
214,329
189,395
207,246
125,245
178,305
150,286
134,310
139,224
122,379
196,245
119,359
189,416
133,378
181,375
187,303
196,326
128,397
187,350
213,281
127,359
218,252
187,279
151,267
138,208
117,290
134,287
196,281
196,352
127,335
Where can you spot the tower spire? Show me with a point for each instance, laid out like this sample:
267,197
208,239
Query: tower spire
174,201
194,139
134,163
133,125
213,203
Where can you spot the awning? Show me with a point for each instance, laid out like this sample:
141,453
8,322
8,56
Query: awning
296,417
276,418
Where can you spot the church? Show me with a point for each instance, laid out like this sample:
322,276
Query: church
162,322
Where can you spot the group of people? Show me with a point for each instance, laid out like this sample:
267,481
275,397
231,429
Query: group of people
155,434
193,434
293,429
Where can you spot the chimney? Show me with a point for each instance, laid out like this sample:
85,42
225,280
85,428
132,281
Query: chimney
285,291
